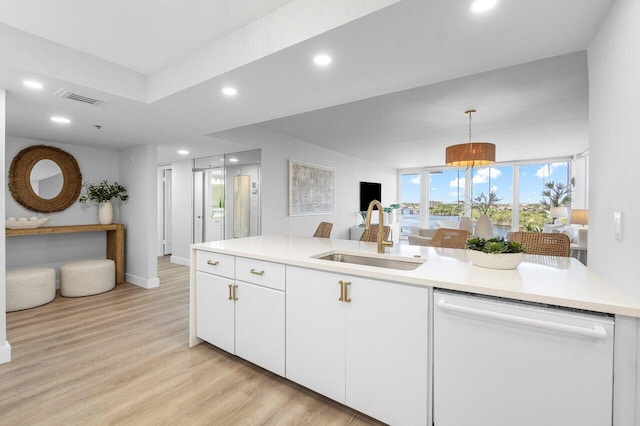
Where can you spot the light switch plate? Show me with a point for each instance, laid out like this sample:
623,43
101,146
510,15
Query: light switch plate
617,225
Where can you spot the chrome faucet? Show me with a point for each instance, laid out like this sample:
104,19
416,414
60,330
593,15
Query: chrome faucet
367,226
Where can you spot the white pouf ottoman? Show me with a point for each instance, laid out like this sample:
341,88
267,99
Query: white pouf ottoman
87,277
30,287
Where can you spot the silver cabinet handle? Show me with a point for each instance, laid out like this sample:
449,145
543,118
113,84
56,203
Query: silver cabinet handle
253,271
212,262
596,332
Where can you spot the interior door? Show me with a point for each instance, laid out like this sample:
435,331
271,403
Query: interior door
198,206
214,205
167,214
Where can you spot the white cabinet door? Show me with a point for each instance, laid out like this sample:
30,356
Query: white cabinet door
315,332
371,353
214,311
260,326
387,351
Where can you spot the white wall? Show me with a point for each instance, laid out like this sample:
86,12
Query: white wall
277,149
181,190
5,348
614,148
138,173
54,250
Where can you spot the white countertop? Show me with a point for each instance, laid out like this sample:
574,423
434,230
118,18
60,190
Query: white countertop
542,279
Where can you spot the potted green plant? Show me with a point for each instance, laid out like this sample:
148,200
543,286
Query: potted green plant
495,253
392,215
556,194
102,193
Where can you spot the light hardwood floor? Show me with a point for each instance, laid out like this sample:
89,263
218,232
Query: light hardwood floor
123,357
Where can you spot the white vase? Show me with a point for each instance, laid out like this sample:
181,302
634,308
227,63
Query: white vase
105,213
484,228
393,216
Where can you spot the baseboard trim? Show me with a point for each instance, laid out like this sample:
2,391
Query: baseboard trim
5,353
180,261
143,282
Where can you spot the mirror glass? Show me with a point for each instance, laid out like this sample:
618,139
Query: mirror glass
46,179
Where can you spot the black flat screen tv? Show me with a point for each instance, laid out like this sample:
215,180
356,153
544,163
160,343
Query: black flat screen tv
369,191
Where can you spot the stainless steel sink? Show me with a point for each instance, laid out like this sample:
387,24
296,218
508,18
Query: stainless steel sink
405,265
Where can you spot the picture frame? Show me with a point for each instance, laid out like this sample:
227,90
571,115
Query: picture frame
311,189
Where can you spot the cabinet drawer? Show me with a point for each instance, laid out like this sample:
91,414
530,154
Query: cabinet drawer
259,272
215,263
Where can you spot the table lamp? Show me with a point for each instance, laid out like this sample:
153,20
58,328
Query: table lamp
580,217
557,212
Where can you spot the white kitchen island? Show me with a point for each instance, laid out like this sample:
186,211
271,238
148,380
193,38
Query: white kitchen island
363,335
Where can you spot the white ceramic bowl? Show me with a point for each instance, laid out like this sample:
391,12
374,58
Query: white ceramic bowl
495,260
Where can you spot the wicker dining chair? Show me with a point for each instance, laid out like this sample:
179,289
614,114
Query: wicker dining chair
372,234
544,243
324,230
450,238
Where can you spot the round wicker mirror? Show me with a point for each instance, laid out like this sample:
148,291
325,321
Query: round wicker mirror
20,179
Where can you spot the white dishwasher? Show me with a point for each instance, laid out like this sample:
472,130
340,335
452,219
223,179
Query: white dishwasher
504,363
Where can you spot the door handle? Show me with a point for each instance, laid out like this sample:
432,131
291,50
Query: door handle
253,271
212,263
596,332
341,298
234,292
230,291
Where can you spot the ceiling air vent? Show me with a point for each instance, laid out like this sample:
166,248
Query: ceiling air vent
62,93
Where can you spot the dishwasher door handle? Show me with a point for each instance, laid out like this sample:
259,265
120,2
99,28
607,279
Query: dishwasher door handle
597,332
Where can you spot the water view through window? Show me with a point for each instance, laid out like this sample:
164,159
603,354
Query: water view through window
493,191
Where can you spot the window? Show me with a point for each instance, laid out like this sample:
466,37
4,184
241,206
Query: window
446,195
493,195
534,211
409,202
495,190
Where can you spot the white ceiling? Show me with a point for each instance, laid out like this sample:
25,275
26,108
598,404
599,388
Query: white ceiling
437,56
143,35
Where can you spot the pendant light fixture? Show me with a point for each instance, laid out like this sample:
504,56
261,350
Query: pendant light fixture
472,153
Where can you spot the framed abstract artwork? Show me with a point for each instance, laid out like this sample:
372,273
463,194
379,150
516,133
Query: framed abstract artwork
312,189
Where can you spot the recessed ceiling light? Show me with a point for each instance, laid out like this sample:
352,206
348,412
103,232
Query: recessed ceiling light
480,6
233,160
322,60
183,152
61,120
32,84
230,91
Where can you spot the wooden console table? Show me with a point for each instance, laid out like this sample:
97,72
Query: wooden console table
115,239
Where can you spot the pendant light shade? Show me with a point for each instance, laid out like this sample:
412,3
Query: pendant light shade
470,154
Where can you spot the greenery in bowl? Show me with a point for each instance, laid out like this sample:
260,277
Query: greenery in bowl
103,192
494,245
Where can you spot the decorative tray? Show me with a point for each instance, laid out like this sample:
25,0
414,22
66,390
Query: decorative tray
26,223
